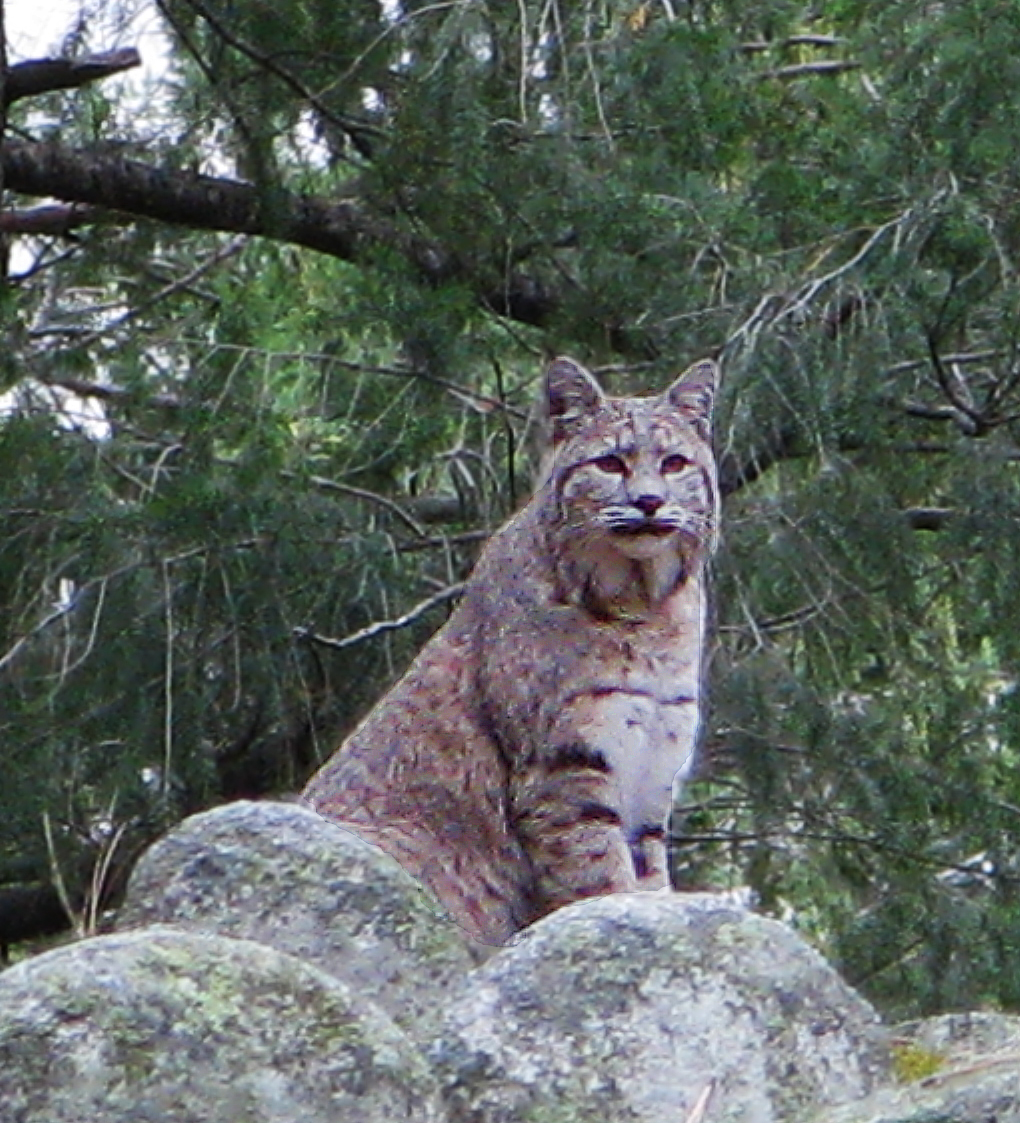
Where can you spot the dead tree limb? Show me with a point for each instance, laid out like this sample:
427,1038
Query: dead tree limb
45,75
381,626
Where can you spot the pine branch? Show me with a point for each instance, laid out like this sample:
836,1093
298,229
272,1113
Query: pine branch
735,474
361,133
339,228
224,253
201,202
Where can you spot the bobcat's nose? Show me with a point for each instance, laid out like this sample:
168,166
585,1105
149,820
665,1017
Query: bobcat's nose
648,504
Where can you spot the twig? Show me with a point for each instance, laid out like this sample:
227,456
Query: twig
168,680
773,307
983,1064
381,626
93,633
13,652
64,609
100,878
482,402
57,876
700,1109
594,78
326,484
810,289
394,26
977,420
59,613
522,93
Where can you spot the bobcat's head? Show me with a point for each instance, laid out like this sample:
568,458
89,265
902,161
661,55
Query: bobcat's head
635,477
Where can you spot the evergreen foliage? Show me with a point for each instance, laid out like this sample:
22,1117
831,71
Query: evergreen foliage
214,444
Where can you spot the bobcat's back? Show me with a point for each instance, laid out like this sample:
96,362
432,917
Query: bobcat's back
527,757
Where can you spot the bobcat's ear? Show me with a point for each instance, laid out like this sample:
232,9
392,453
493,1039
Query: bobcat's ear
571,392
693,394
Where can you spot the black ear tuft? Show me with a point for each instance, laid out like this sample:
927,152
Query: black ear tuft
693,394
571,393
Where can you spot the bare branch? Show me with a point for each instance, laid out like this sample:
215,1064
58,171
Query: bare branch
108,391
954,391
477,401
57,877
381,626
22,642
803,69
775,307
759,45
956,358
44,75
444,541
936,413
699,1111
71,605
326,484
55,220
928,518
5,78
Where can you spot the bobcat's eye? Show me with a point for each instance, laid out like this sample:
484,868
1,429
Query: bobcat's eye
611,464
675,463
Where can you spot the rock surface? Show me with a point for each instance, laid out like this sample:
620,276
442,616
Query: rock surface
647,1007
974,1078
280,874
161,1026
635,1006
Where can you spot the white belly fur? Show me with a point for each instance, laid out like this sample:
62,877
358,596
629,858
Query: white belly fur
649,745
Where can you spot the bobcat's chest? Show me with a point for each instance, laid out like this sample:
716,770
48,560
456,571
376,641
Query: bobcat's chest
624,693
639,713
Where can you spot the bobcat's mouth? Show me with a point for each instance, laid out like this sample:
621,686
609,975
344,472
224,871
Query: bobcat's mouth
647,528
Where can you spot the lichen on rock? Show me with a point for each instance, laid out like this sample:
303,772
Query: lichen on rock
168,1026
280,874
631,1007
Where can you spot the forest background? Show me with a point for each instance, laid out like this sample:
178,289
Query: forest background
275,307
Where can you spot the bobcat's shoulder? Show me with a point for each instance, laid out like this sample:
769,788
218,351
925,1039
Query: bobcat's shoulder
526,759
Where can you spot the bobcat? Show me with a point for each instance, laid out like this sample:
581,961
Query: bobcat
526,759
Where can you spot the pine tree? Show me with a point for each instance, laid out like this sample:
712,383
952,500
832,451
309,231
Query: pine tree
271,356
